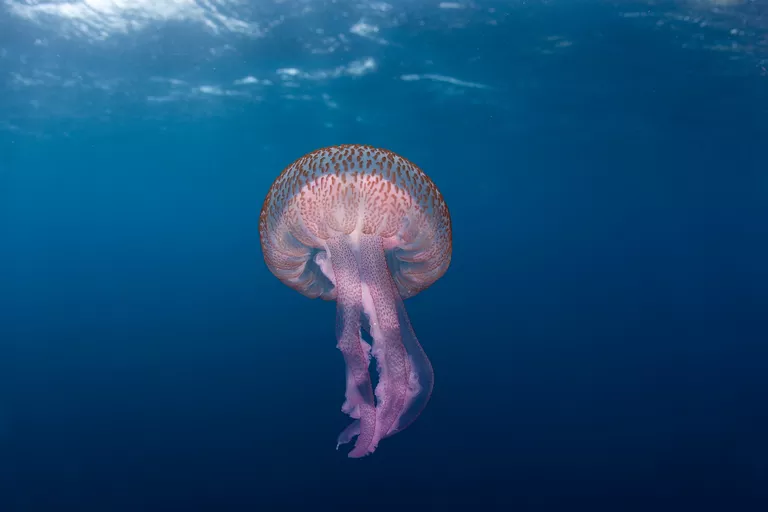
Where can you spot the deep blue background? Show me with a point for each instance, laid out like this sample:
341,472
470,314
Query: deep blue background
599,340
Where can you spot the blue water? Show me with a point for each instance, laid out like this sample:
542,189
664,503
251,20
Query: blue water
599,341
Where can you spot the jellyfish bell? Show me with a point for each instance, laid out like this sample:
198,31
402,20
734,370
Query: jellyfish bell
367,228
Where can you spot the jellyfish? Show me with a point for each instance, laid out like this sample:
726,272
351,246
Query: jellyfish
367,228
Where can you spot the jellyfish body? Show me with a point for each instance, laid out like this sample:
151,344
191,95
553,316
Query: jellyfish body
367,228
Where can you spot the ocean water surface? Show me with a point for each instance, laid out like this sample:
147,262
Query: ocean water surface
599,340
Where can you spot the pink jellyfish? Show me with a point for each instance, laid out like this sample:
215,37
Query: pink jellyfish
367,228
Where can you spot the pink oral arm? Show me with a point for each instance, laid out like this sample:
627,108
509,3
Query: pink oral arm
359,394
405,374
